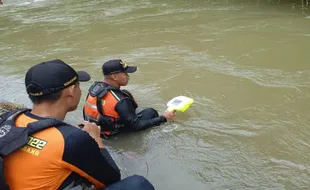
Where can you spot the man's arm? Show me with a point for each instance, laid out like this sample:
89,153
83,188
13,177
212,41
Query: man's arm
83,156
128,116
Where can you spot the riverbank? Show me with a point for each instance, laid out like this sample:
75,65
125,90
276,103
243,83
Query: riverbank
8,106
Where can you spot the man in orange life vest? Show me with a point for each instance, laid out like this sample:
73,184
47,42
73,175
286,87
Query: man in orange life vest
115,109
40,151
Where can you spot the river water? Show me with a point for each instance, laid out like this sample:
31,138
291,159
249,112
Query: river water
246,65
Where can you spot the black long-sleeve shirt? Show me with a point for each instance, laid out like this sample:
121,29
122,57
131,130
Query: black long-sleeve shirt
131,120
126,108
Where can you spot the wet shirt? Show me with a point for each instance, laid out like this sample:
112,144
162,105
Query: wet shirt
55,157
126,108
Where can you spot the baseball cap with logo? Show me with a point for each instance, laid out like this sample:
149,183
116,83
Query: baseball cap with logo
117,66
52,76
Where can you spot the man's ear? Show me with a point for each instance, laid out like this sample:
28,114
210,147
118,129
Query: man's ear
70,90
113,77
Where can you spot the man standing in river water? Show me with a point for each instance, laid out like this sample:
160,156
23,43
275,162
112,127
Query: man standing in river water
38,150
115,109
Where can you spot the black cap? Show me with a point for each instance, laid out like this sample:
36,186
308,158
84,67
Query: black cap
52,76
117,66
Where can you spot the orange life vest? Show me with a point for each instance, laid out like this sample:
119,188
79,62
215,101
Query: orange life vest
100,108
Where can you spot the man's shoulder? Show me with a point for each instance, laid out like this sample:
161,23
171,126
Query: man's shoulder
118,93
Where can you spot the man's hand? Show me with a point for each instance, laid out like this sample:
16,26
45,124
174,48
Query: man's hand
94,131
169,115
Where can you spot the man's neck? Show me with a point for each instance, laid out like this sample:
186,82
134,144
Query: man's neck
111,83
53,110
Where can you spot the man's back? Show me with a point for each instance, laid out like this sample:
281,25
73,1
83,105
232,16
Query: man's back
55,158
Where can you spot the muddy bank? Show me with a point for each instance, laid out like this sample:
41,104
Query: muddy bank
8,106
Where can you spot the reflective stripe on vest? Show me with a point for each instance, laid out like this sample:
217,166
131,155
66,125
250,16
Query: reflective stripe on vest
109,102
90,107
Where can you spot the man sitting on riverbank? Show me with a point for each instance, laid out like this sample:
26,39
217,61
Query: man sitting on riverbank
115,109
40,151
